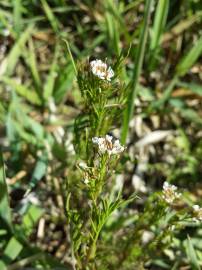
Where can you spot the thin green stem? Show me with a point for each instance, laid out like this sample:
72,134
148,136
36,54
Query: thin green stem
100,181
71,57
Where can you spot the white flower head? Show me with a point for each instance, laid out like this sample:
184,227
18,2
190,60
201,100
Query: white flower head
147,236
170,193
106,145
83,165
86,181
101,70
197,213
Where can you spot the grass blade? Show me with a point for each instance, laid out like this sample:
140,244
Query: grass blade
158,29
17,50
117,20
5,22
191,254
159,23
137,70
30,58
17,16
112,26
5,213
182,26
63,82
29,94
12,250
51,17
190,58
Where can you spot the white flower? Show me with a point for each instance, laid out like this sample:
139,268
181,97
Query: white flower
169,193
83,165
101,70
197,213
105,144
147,236
86,181
86,178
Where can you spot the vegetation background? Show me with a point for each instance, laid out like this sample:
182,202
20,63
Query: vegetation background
39,102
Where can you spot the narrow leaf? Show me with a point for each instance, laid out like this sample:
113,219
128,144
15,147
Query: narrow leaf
136,72
159,22
28,94
190,58
5,213
50,15
191,254
12,249
17,50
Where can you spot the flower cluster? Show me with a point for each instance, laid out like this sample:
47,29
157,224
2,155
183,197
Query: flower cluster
101,70
106,145
169,193
197,213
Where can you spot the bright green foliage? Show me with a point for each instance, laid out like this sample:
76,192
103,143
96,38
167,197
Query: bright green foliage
12,249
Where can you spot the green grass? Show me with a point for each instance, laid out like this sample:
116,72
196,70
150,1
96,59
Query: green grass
51,106
137,70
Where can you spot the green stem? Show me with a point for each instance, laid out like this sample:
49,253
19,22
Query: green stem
137,70
71,57
100,179
92,249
